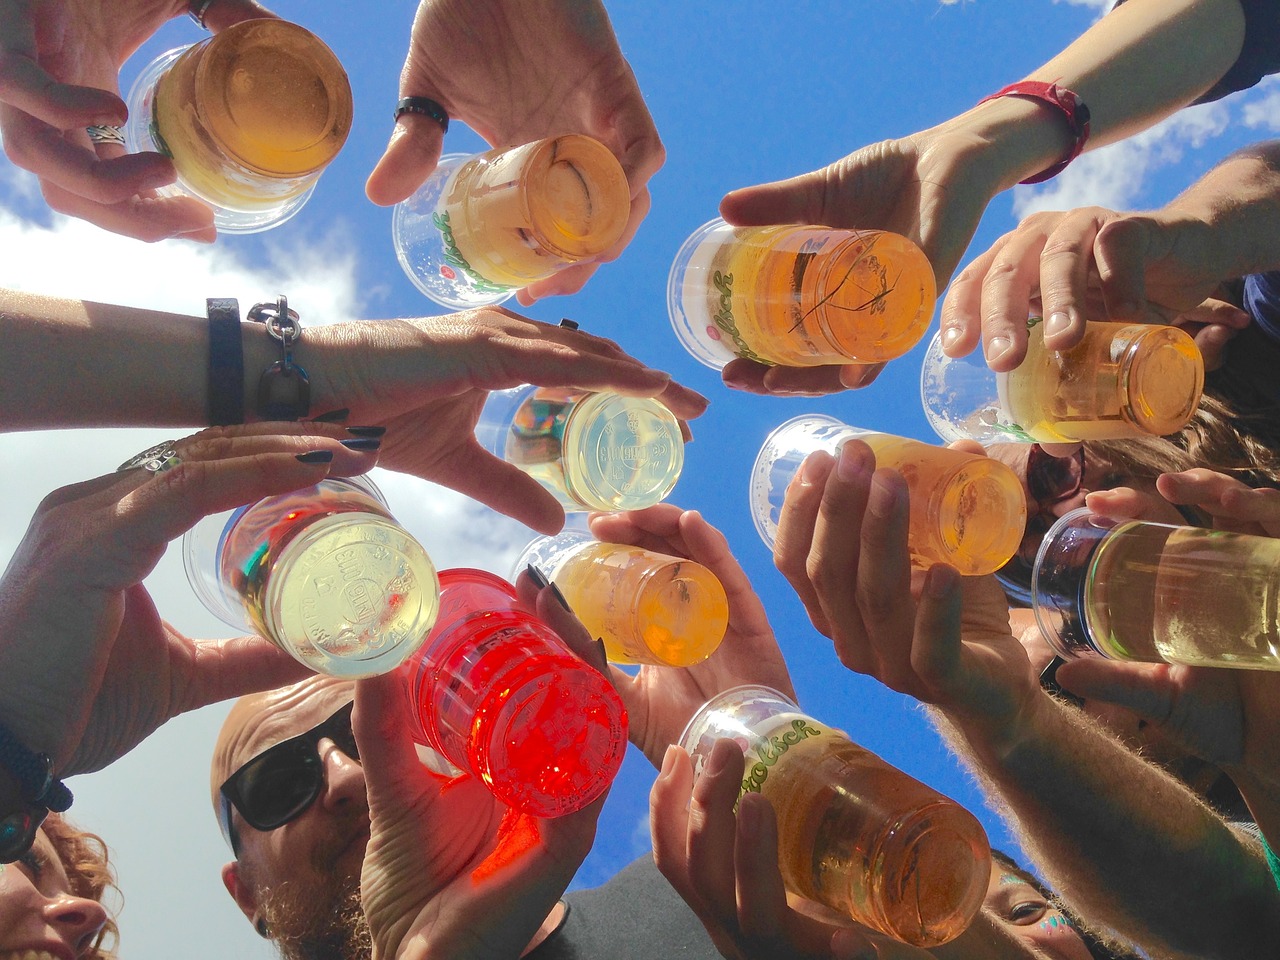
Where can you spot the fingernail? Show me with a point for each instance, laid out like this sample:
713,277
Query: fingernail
717,761
1057,323
363,444
748,818
604,651
555,592
950,337
737,383
316,456
333,416
997,347
537,576
668,762
939,581
883,499
811,467
568,324
366,431
852,463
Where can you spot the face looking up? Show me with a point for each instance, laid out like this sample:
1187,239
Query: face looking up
40,919
1025,913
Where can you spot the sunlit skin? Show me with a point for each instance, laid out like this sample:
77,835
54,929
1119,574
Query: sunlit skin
1025,913
39,916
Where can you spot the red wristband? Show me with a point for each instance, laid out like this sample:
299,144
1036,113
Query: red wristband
1066,103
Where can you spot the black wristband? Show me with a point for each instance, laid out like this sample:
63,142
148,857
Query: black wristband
34,773
226,362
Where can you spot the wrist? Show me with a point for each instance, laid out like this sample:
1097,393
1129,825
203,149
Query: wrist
1011,138
998,738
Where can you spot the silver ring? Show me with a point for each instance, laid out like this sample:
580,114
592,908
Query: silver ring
104,133
155,459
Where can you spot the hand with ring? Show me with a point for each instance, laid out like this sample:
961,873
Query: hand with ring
60,110
88,669
516,71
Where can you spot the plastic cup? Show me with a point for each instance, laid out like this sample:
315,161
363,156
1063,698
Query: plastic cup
965,509
487,224
854,833
500,695
593,451
251,117
323,572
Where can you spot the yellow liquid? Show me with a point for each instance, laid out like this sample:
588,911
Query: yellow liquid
348,593
1183,595
808,296
597,451
252,116
866,839
1121,380
966,510
519,215
648,608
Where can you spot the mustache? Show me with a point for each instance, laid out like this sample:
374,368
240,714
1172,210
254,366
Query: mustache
328,851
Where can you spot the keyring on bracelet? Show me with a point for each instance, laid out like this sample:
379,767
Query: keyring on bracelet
425,107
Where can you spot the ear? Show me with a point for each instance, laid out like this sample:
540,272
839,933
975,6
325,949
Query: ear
240,891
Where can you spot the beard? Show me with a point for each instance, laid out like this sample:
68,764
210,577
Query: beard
305,926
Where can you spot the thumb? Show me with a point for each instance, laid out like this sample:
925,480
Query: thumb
797,200
227,13
1144,688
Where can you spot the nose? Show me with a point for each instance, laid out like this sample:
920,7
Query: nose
77,920
343,780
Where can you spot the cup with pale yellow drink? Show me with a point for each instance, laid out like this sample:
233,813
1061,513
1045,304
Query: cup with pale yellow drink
250,117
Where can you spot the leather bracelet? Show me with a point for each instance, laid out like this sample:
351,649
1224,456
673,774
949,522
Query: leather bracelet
1062,100
284,390
226,362
34,773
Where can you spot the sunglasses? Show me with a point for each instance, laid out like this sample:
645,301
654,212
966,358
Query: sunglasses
1050,480
281,783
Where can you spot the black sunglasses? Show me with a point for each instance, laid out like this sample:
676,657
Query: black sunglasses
280,783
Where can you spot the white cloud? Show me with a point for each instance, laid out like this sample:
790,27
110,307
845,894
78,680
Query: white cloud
1263,113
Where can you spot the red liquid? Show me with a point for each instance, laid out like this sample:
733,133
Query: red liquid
500,695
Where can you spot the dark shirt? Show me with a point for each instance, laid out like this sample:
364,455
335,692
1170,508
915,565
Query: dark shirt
637,915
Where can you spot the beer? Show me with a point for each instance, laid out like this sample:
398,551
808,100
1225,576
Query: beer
500,696
854,833
251,117
799,296
593,451
1121,380
647,607
966,510
325,573
1155,593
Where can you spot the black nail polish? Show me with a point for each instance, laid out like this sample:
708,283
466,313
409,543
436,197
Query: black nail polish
363,444
604,654
555,591
316,456
568,324
366,431
333,416
537,576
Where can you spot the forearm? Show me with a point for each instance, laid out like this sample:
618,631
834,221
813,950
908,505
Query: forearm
1137,65
1132,849
986,939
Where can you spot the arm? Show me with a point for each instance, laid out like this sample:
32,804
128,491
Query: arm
1132,68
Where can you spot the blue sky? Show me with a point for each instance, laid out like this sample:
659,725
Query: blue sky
740,94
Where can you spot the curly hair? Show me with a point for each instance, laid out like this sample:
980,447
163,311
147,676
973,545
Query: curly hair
84,857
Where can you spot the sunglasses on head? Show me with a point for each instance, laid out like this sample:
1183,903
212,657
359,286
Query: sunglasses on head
281,783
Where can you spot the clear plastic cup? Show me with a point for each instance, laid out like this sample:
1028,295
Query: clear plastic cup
854,833
647,607
323,572
251,117
1122,380
966,510
593,451
798,296
500,695
487,224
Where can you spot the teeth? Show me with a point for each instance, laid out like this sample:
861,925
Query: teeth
28,955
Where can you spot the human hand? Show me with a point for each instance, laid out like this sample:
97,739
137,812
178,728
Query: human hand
1232,504
661,700
515,73
59,73
448,871
842,545
426,381
930,187
1090,263
87,667
725,867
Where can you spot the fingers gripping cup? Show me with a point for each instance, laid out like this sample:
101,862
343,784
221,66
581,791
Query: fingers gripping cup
966,510
1153,592
854,833
1122,380
323,572
251,117
483,226
798,296
501,696
647,607
593,451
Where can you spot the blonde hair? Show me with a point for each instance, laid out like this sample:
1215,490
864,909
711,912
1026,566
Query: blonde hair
84,857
